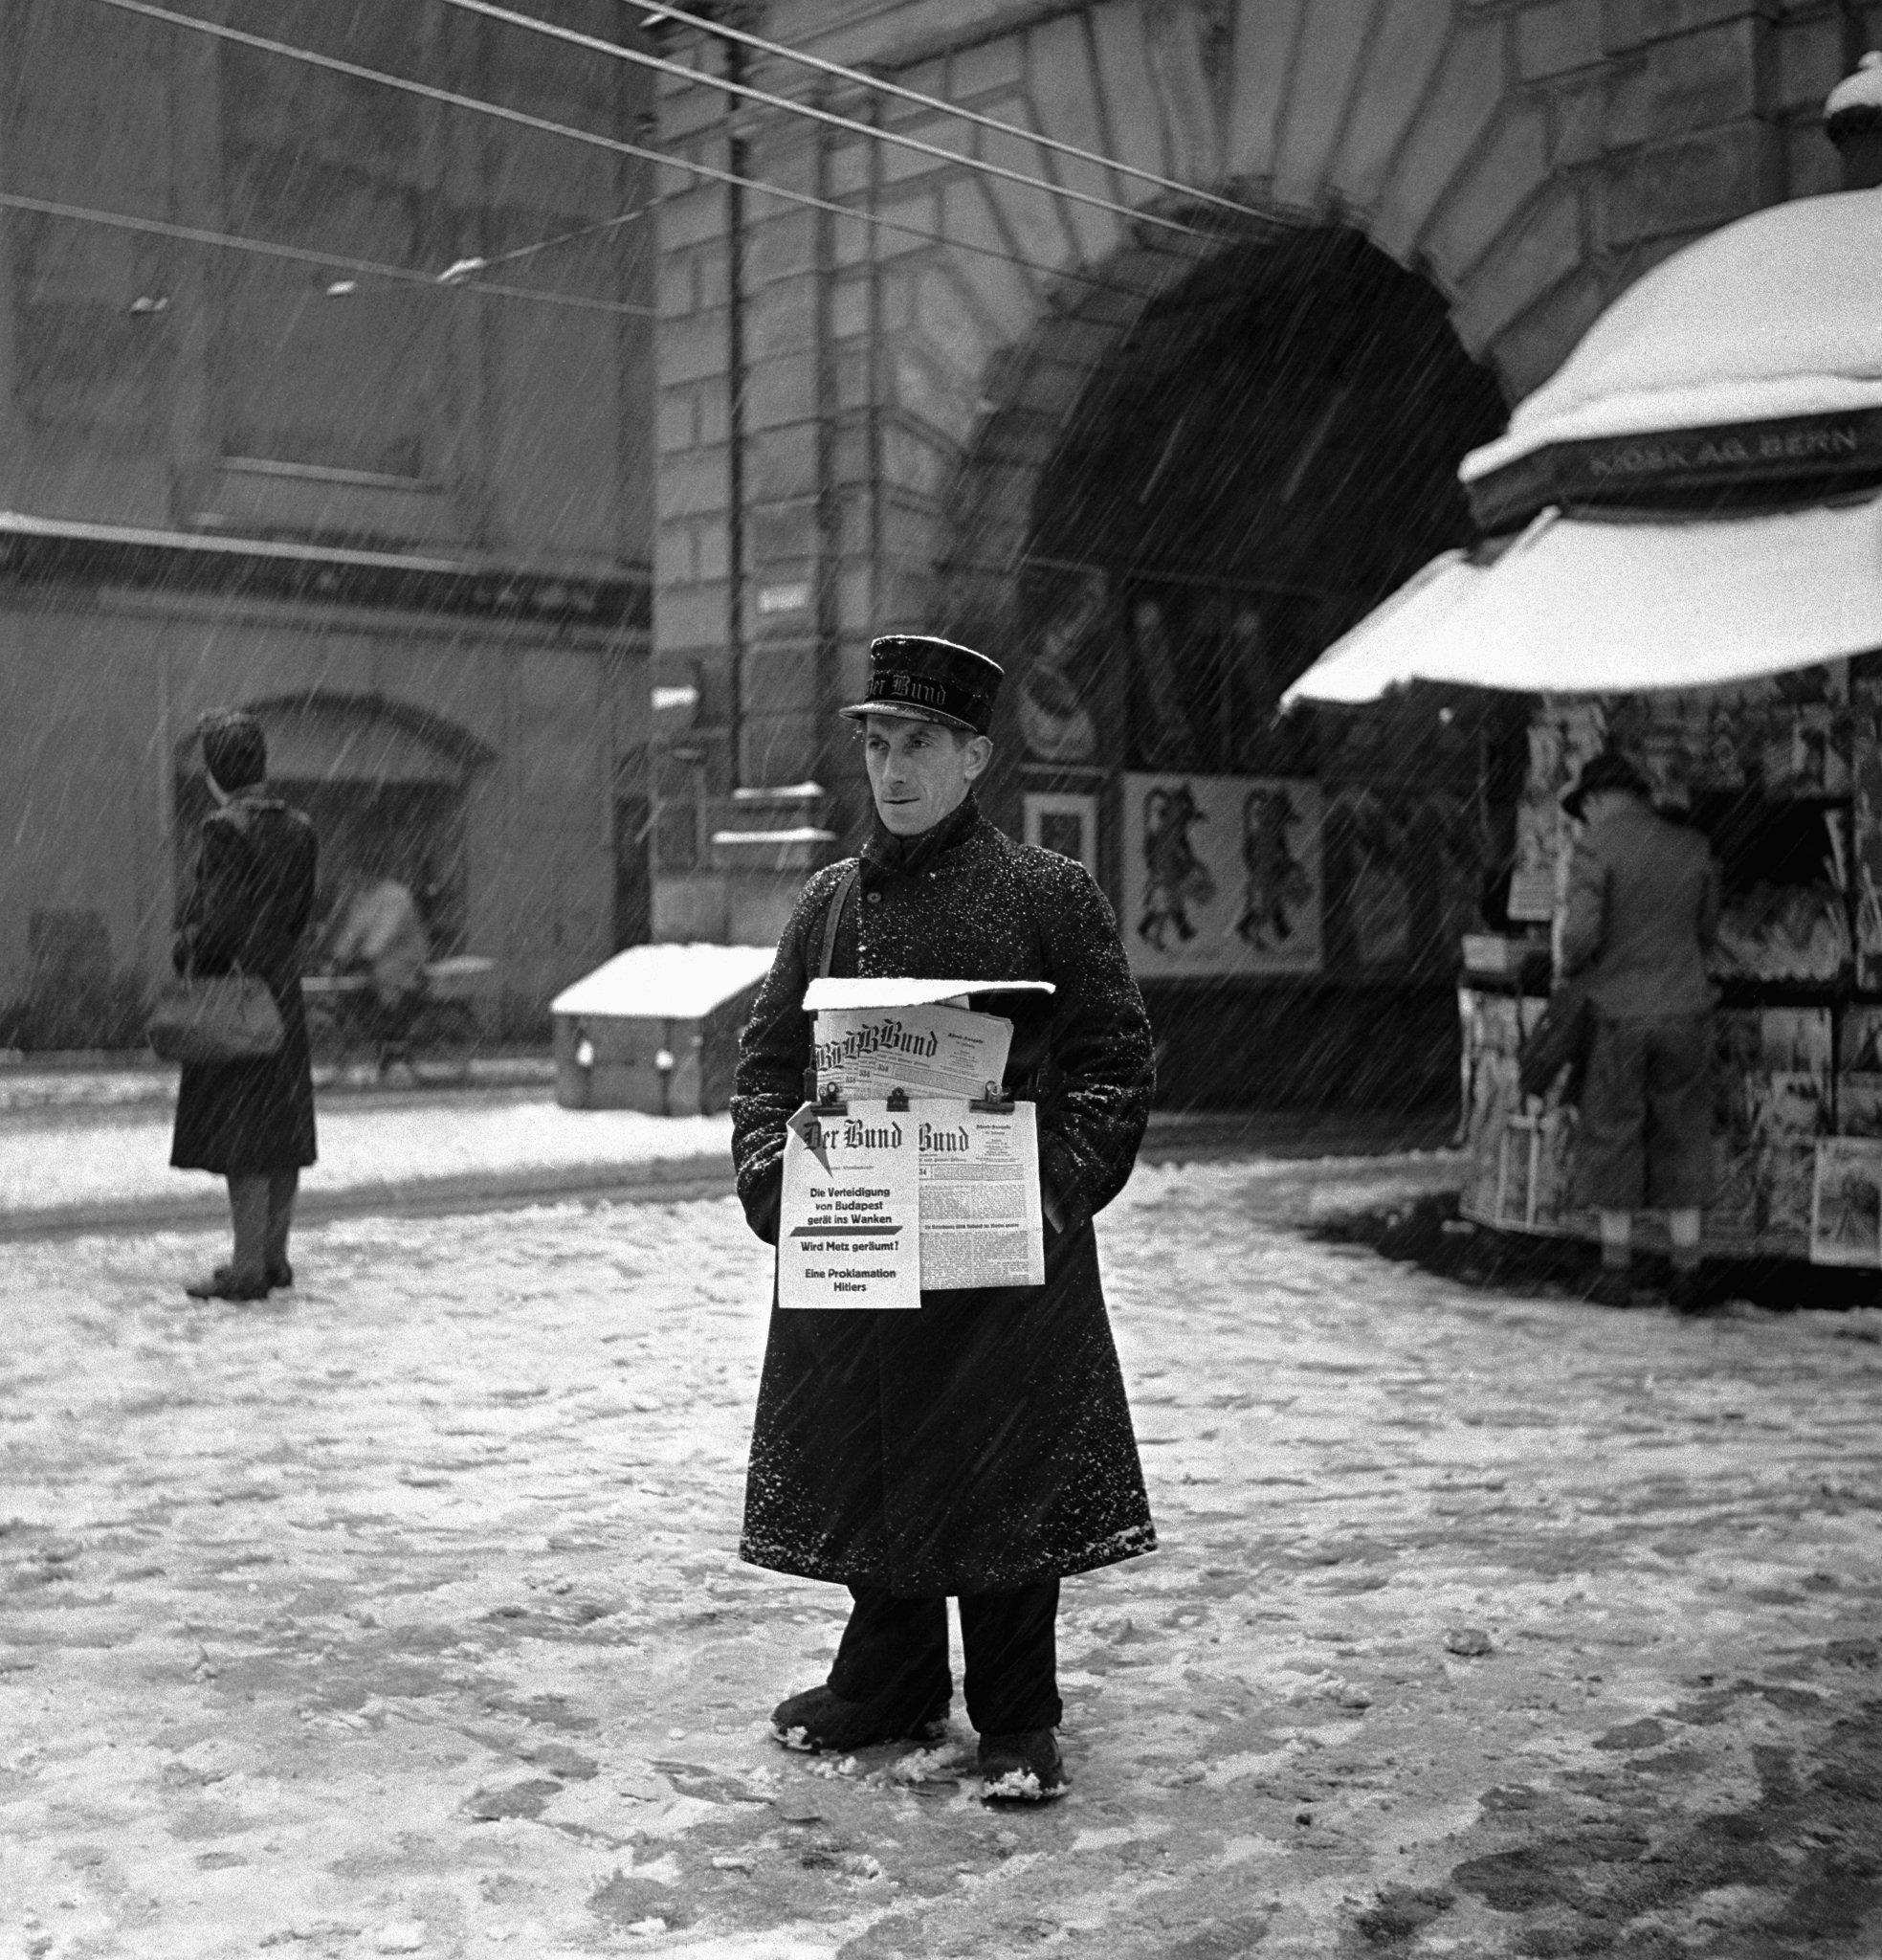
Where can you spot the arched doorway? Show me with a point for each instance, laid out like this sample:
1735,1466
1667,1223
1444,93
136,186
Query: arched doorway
1267,451
386,785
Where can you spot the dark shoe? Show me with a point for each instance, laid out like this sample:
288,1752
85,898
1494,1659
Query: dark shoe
819,1720
282,1275
1613,1286
1021,1768
223,1284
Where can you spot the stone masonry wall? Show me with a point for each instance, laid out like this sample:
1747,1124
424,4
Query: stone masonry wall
850,440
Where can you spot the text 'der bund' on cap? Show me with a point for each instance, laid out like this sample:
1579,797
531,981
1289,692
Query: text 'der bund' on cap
919,677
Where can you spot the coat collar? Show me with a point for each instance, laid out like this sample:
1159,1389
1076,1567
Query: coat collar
245,802
887,852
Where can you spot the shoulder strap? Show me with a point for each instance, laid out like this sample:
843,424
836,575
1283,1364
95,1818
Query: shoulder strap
833,918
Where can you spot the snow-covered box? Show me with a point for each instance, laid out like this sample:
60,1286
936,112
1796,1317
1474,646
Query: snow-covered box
656,1029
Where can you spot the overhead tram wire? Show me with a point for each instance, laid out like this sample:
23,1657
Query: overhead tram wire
145,9
328,262
613,224
487,9
1193,192
460,271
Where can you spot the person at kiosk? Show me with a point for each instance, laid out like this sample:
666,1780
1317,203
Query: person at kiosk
1643,914
982,1448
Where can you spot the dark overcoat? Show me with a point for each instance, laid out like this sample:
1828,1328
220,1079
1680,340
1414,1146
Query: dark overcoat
983,1442
252,898
1642,915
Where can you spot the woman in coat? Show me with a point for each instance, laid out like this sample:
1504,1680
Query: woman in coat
249,1121
980,1448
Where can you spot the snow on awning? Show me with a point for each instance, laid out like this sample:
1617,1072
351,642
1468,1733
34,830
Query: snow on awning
1363,663
1592,605
1777,315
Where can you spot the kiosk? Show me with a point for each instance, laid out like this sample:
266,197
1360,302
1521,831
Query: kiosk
1683,561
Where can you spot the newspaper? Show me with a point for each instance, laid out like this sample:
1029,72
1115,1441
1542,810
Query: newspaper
926,1051
1846,1214
848,1222
981,1223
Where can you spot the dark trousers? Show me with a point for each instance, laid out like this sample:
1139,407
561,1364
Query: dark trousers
894,1651
1644,1140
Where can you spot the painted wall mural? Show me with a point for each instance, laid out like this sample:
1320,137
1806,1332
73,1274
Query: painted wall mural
1222,875
1055,720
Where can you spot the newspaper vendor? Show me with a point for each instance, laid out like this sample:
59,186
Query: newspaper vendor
980,1448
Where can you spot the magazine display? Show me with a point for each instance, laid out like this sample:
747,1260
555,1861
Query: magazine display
1784,932
1785,774
1867,823
1845,1224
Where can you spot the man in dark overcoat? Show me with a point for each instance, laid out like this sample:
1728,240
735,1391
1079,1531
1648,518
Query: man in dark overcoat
982,1448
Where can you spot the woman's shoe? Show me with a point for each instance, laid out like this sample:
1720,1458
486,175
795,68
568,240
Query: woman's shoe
282,1275
225,1284
819,1720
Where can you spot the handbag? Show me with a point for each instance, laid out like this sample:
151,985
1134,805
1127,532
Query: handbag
216,1017
223,1017
1559,1040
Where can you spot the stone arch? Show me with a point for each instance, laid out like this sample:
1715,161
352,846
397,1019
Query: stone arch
1410,122
335,731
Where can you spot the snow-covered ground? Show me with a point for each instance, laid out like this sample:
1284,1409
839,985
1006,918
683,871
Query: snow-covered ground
400,1616
56,1159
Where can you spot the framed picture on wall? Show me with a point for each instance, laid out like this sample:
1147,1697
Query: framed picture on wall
1063,822
1222,875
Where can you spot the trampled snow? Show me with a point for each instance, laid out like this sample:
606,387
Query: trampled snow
404,1608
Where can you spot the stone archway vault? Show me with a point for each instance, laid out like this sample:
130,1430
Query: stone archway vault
1402,120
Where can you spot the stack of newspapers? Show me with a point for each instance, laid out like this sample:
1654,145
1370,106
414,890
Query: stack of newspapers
907,1169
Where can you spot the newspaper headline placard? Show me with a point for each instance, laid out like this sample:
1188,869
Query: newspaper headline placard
880,1204
849,1222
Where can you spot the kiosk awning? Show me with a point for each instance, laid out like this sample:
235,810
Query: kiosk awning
1624,605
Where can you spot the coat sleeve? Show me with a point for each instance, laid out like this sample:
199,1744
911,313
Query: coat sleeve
774,1049
1586,922
215,919
1094,1099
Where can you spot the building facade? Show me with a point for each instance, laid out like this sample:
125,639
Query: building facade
404,519
1155,440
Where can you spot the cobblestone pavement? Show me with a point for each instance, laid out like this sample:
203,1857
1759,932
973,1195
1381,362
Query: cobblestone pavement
399,1616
